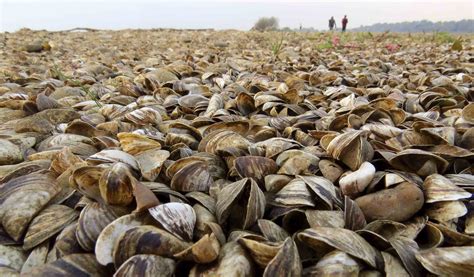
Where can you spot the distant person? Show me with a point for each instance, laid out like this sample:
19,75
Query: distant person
332,23
344,23
301,27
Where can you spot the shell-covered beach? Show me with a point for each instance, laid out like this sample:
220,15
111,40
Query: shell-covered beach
229,153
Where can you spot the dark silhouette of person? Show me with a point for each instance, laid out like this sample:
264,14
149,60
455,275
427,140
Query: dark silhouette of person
332,23
344,23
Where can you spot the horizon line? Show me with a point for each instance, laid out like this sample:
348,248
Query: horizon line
79,28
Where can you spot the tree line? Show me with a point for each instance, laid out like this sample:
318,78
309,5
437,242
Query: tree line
461,26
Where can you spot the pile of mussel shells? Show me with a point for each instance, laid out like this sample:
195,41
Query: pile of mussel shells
201,154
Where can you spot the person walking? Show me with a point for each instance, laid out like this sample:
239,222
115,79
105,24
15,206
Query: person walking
332,23
344,23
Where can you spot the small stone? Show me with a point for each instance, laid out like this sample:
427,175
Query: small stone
397,204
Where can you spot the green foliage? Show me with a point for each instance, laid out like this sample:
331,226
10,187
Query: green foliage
324,45
277,45
315,36
59,74
363,36
327,43
443,37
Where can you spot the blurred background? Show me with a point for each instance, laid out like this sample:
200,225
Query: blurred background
227,14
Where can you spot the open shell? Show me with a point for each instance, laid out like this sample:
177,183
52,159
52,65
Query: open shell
255,167
106,241
47,223
344,240
147,265
455,261
439,188
146,239
352,148
115,185
177,218
228,203
29,196
69,265
418,161
92,220
335,263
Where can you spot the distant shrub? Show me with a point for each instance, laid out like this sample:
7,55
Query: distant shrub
266,24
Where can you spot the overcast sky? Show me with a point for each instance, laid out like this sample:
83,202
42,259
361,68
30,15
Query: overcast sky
224,14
